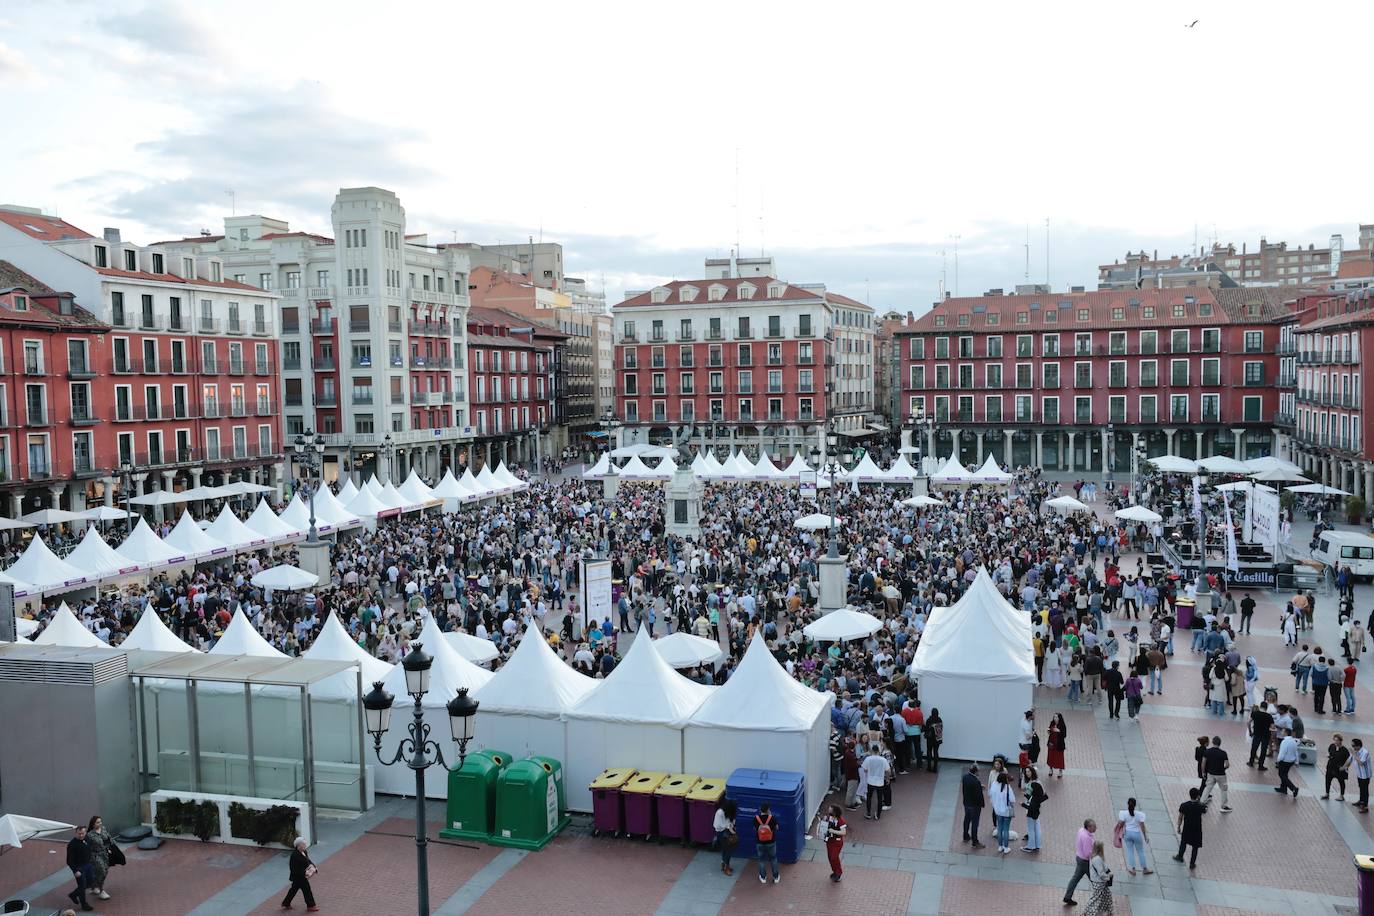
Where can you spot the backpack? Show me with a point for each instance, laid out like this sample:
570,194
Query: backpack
765,829
837,719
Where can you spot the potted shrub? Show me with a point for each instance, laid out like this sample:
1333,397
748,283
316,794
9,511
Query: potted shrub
1354,509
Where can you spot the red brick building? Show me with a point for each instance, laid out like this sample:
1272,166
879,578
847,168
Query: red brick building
510,383
1078,381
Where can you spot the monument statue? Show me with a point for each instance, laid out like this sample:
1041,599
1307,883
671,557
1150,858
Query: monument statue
682,441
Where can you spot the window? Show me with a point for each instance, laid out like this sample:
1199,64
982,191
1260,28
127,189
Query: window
1049,375
993,373
939,321
1083,409
1050,408
965,347
1049,345
130,260
101,256
1023,375
1023,317
942,348
1147,409
1178,341
1149,311
742,329
993,319
803,325
774,325
264,281
1083,344
1178,311
1083,375
1084,314
1254,373
1116,409
1211,371
918,348
994,347
1178,373
1149,373
1149,342
1178,408
1251,407
1118,313
1254,341
1211,340
964,321
942,376
992,408
918,376
1023,345
1116,374
1211,408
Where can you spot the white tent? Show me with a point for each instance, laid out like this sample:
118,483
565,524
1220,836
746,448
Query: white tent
507,478
991,472
297,515
151,633
1067,504
641,450
1278,474
763,718
16,828
952,473
347,491
843,625
65,630
374,485
699,465
469,483
285,578
797,467
366,505
712,469
21,588
228,529
246,488
41,567
415,490
1172,464
393,498
448,487
99,514
866,471
242,638
159,498
334,644
666,468
268,524
449,673
600,469
685,650
487,481
475,649
901,471
145,548
188,538
98,559
521,708
1137,514
765,469
51,517
334,513
1220,464
921,501
1270,463
817,521
1320,489
634,718
634,468
976,664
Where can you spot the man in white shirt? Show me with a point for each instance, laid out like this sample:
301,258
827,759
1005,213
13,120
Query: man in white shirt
1287,758
876,767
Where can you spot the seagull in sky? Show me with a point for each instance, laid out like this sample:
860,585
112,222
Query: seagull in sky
1193,23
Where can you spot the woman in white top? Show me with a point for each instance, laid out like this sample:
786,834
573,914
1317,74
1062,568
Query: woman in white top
1134,837
1100,876
1003,800
1054,671
724,825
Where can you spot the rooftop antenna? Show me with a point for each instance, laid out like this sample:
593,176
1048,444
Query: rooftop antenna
943,269
1027,277
761,225
737,232
956,264
1195,244
1047,254
233,203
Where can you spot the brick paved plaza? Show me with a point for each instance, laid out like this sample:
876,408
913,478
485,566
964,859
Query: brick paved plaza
1270,855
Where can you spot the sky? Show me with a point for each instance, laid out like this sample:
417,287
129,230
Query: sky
860,146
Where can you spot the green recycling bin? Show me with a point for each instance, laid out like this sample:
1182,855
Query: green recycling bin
529,804
472,796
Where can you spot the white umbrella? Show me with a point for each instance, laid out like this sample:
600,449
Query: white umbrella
6,523
1067,504
16,828
158,498
25,626
245,488
843,625
475,649
105,514
1172,464
1270,463
1320,489
921,500
285,578
1138,514
686,650
816,521
52,517
1278,474
1220,464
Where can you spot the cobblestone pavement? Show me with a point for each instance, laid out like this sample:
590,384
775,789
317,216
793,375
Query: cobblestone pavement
1271,854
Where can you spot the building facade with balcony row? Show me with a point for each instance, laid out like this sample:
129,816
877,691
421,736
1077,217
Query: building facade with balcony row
372,325
75,404
754,362
1079,381
513,383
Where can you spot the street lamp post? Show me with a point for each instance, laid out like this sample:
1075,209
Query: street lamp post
1138,457
388,450
417,751
309,449
126,473
1203,591
1110,458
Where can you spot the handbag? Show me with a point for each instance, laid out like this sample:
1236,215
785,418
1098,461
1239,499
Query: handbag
1118,834
117,855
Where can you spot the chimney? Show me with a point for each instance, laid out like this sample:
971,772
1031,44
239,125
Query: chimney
1075,289
112,235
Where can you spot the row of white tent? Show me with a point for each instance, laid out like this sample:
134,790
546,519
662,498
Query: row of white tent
38,570
705,466
645,714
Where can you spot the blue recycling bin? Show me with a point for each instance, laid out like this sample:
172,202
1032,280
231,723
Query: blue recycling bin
785,793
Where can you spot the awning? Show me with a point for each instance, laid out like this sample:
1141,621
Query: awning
855,433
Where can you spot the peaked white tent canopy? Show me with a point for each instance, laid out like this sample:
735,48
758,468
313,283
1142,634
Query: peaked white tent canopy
976,663
285,578
522,706
1172,464
1138,514
699,465
843,625
145,548
242,638
469,482
65,630
921,501
449,673
866,471
374,485
901,471
334,644
42,568
765,469
952,473
334,513
297,515
268,524
737,467
347,491
666,468
228,529
686,650
16,828
415,490
712,468
796,467
365,504
21,588
763,718
991,472
448,487
487,482
1221,464
1067,504
97,558
507,478
634,468
475,649
816,521
393,498
600,469
188,538
634,717
152,634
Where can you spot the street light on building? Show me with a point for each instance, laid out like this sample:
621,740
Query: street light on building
1203,591
828,465
309,457
126,473
417,751
388,450
1110,458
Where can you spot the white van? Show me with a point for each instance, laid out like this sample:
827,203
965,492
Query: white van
1349,549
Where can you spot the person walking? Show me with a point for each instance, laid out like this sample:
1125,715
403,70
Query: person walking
1337,765
1134,689
1261,727
1364,768
1247,613
835,831
301,870
766,833
1082,858
1100,877
876,769
1115,685
1215,763
1003,800
726,837
104,853
934,733
1134,836
1301,668
1190,827
1349,680
972,789
79,863
1035,798
1156,660
1056,743
1287,758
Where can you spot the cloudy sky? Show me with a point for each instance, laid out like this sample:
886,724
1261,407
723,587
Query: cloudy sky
853,143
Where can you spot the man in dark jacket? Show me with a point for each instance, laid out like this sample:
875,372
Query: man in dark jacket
79,861
972,788
301,868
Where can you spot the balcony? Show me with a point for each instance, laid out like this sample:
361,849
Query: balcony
208,325
237,367
265,408
31,368
83,416
322,326
744,335
121,319
431,362
80,370
212,410
150,367
293,327
326,400
181,366
295,400
262,328
361,398
394,326
1284,419
359,325
686,336
211,367
149,322
262,367
38,416
323,364
235,325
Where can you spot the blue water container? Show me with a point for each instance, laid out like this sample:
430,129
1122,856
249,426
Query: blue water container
785,793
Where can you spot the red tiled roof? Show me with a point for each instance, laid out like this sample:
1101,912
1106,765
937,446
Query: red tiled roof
173,278
731,285
1099,303
507,318
841,299
476,339
46,228
41,310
